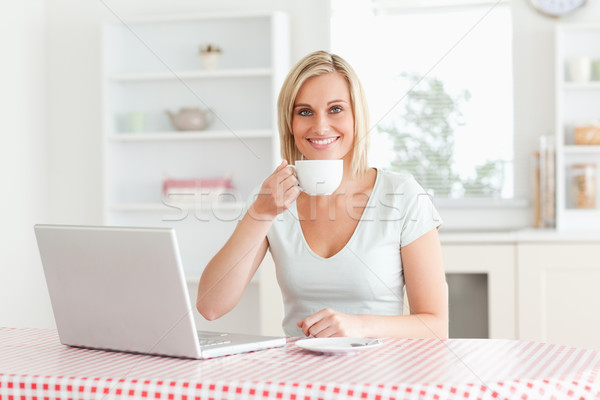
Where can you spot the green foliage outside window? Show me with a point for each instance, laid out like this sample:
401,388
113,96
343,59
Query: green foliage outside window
423,141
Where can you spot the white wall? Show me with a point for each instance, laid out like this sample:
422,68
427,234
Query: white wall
50,150
23,162
74,66
51,95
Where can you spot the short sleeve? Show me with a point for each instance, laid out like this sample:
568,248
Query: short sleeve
420,216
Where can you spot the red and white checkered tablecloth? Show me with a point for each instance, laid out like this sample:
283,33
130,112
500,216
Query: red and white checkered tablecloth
34,365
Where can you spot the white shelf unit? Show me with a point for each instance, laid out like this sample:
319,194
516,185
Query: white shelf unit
151,65
172,136
576,103
193,74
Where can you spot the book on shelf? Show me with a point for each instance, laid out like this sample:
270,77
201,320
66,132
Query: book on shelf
199,191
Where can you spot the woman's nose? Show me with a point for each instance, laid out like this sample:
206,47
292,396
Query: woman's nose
321,125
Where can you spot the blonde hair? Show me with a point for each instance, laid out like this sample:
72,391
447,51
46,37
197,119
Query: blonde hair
314,64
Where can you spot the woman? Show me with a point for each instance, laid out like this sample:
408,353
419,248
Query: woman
342,260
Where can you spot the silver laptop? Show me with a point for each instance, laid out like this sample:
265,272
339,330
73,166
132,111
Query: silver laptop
124,289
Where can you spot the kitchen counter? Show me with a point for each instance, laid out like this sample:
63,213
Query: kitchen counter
525,235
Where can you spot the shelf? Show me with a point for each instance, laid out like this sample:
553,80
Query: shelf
210,16
194,74
175,207
582,149
594,85
576,104
151,65
583,211
580,219
189,135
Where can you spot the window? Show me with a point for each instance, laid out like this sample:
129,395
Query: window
438,75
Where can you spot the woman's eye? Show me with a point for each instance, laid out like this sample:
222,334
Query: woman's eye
304,112
336,109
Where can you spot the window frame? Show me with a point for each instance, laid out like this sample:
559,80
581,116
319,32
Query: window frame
357,7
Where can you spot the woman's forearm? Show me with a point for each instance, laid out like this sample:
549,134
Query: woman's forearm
228,273
226,276
328,322
422,326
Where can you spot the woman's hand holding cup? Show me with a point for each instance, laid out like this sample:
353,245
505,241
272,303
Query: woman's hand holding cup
277,193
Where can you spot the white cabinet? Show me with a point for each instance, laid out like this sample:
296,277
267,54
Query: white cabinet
496,263
558,293
577,105
271,300
540,286
153,65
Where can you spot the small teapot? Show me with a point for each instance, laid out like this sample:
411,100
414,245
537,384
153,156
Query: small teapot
191,119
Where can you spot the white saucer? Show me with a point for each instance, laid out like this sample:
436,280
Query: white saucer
337,345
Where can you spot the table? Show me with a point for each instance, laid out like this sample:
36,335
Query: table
34,365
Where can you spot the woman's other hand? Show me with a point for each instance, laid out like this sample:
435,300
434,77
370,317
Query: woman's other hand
328,323
276,194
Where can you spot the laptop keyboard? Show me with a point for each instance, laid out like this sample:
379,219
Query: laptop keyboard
212,342
212,338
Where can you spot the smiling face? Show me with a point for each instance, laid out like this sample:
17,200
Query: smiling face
323,121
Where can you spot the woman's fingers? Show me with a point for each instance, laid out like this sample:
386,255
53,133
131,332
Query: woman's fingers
278,191
328,322
316,324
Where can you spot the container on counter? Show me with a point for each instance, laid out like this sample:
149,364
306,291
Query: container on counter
582,178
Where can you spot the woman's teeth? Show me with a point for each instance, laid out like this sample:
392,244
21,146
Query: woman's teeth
322,141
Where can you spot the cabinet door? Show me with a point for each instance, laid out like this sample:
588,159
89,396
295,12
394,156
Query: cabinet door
271,301
497,262
558,293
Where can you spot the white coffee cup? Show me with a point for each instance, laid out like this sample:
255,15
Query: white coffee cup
319,177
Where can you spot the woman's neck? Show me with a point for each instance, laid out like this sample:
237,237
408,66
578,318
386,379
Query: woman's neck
352,183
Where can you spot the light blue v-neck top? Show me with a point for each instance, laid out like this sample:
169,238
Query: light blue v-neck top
365,276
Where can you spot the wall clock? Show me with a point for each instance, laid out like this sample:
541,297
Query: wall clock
557,8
